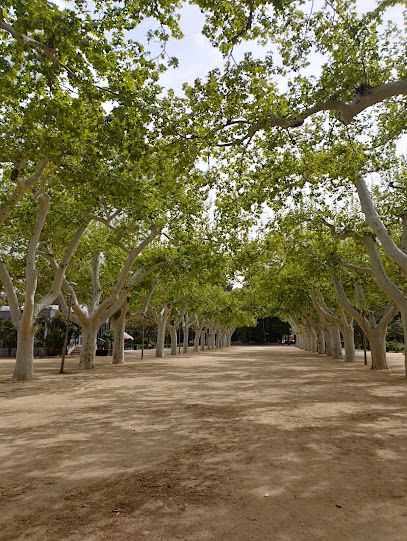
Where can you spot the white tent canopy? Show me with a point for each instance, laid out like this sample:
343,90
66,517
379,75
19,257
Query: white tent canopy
128,337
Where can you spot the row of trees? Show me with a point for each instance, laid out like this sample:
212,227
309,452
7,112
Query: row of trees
97,187
324,272
104,200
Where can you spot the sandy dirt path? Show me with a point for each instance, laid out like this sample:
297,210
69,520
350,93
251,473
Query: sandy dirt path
248,443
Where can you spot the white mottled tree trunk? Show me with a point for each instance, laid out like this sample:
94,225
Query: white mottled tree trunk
159,350
173,328
375,332
24,366
187,321
377,341
349,344
385,284
203,341
88,349
211,334
24,317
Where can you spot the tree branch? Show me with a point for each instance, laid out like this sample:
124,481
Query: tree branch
50,52
355,268
360,102
22,186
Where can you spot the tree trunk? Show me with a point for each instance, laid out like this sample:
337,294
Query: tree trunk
307,341
314,341
185,332
211,341
202,341
328,343
119,325
173,336
208,341
336,342
159,349
87,357
196,341
349,343
377,340
24,366
216,337
320,341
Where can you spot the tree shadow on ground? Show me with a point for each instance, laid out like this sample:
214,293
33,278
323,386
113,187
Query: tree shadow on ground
240,444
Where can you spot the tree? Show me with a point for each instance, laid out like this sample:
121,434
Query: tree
24,318
54,333
102,307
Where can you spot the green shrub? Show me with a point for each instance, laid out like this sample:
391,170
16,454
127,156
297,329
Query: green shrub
395,347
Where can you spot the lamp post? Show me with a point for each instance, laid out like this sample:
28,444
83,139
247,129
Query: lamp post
61,370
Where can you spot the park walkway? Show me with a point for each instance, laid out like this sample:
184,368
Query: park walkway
242,444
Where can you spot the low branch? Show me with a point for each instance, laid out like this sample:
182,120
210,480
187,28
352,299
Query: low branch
341,236
355,268
374,221
360,102
50,52
22,186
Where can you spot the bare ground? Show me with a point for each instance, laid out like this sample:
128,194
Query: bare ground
248,443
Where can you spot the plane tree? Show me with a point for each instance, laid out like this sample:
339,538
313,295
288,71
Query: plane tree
30,288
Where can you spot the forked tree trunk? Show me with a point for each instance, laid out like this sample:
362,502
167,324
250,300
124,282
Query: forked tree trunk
375,332
335,326
88,350
24,366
